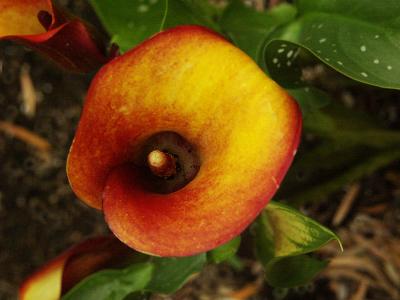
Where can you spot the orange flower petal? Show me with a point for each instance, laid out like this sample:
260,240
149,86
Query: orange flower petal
71,44
62,273
193,82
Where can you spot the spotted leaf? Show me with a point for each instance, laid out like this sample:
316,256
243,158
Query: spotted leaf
359,38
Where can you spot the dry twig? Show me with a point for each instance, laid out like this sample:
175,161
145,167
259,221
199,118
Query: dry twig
26,136
346,204
371,258
29,95
361,291
246,292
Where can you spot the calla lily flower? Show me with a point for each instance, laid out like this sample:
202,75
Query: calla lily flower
61,274
67,40
182,142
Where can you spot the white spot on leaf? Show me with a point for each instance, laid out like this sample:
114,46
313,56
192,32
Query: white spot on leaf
363,48
364,74
376,61
323,40
340,63
389,67
281,50
289,54
275,60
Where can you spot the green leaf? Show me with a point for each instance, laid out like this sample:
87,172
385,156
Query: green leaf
170,274
112,284
249,28
224,252
341,124
283,236
287,232
264,238
206,9
328,168
236,263
131,22
348,145
310,99
293,271
283,64
359,38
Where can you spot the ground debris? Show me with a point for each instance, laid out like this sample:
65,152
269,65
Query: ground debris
39,143
370,263
28,92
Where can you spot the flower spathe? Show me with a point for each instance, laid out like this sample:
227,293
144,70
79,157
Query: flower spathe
39,24
191,82
58,276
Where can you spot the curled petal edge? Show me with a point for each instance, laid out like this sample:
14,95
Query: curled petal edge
58,276
68,41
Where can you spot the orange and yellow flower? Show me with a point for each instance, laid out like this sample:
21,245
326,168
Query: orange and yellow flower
190,98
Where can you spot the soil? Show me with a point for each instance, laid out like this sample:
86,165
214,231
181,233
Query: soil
40,216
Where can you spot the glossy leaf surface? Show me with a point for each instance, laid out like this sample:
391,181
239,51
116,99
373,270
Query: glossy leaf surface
282,236
170,274
224,252
360,39
249,29
112,284
131,22
293,271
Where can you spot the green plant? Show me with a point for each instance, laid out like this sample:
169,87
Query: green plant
359,39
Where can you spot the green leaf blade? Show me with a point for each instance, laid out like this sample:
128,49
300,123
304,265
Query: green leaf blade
131,22
351,37
249,28
295,233
170,274
224,252
112,284
293,271
282,237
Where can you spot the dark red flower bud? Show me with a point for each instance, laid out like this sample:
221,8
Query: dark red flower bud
67,40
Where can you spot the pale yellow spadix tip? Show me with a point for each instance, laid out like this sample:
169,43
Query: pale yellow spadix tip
161,164
157,159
